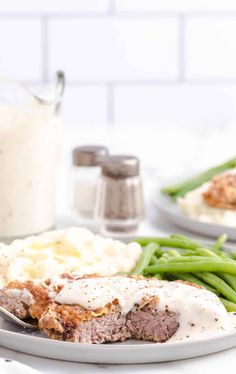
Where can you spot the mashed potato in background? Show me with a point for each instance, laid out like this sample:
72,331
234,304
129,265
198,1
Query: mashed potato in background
70,250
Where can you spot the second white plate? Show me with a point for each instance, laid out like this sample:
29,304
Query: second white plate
172,212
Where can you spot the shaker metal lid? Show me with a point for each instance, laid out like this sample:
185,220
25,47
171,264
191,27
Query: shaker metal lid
89,155
120,166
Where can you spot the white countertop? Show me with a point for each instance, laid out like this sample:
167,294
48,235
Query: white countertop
197,146
212,364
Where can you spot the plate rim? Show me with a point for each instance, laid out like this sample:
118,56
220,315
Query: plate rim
121,345
120,353
159,197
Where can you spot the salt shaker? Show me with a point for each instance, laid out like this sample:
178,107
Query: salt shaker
86,170
120,204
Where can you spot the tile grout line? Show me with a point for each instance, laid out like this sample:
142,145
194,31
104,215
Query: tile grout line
181,48
152,83
45,49
121,14
110,105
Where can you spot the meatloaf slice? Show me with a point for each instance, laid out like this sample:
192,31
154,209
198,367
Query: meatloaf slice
76,324
145,323
150,324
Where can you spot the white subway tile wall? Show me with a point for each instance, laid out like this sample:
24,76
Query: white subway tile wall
21,48
127,61
182,104
86,104
174,5
210,48
54,6
112,49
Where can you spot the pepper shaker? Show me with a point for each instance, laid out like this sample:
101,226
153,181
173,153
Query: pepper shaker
120,205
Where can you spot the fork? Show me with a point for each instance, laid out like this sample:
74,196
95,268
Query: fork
10,317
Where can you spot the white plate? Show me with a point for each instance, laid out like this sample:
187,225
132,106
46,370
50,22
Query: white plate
130,352
171,211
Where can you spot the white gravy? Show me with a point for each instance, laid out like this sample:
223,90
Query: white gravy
29,144
199,312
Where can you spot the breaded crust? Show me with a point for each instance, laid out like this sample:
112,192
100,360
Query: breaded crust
222,192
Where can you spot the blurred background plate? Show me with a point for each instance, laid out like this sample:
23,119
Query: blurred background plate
171,211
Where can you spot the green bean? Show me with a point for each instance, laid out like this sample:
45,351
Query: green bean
173,253
182,237
186,277
229,278
163,258
158,252
220,242
192,279
202,251
145,257
225,256
191,267
178,236
153,260
193,259
187,252
218,284
168,242
195,244
233,255
220,254
207,252
230,307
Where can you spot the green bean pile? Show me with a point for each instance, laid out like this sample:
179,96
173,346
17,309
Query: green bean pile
181,189
178,257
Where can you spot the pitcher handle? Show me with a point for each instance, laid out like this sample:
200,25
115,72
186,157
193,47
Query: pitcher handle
59,86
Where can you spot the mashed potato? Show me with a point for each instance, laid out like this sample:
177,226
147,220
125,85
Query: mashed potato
70,250
194,206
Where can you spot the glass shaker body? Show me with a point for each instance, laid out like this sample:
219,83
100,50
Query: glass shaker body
84,189
120,205
86,170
